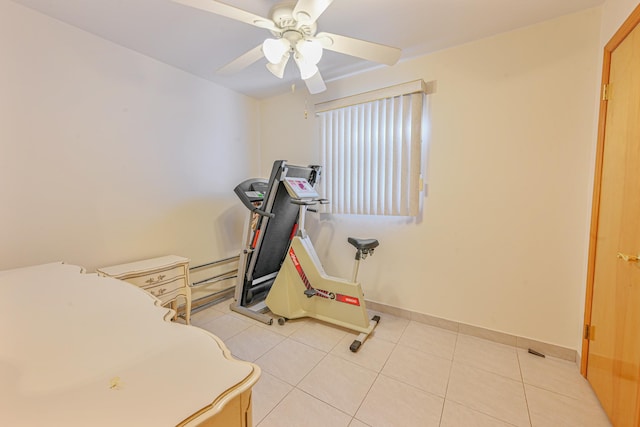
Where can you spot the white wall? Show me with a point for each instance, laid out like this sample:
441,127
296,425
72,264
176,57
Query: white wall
109,156
503,240
614,13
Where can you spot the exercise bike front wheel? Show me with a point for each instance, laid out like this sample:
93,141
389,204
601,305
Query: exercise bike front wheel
281,320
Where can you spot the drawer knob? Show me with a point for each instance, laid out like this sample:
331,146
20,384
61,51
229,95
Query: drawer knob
153,280
158,292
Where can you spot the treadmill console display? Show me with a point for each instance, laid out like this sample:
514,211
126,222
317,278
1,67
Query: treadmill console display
254,196
299,188
251,192
257,190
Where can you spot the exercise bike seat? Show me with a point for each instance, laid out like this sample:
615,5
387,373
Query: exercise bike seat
363,244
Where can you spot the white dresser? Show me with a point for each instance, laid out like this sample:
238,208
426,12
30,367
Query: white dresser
166,278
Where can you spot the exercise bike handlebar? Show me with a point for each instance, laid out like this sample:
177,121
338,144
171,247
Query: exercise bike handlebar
309,202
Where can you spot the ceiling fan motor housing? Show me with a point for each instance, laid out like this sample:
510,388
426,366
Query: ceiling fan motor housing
291,29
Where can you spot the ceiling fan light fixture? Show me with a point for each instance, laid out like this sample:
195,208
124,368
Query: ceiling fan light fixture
274,49
307,69
311,50
278,69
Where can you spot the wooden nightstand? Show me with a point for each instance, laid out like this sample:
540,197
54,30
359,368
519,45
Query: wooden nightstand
166,278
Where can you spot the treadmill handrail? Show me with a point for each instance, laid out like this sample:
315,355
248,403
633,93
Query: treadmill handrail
263,213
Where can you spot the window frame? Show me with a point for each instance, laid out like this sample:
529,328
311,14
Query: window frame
383,180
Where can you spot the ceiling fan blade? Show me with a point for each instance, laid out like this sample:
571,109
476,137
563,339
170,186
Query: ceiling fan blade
308,11
315,84
360,48
243,61
232,12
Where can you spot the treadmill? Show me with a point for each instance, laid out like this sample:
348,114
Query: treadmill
271,224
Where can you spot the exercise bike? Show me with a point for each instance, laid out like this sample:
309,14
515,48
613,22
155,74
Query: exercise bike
303,289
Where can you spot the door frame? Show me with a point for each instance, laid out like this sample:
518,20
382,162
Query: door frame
625,29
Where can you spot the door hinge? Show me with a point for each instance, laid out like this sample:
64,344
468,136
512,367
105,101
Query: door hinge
589,332
605,92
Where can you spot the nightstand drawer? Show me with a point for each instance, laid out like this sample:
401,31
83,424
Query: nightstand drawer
166,278
156,278
166,289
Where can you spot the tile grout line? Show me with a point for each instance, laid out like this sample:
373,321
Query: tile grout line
374,381
365,398
295,386
275,406
400,332
524,389
379,372
446,390
326,403
493,416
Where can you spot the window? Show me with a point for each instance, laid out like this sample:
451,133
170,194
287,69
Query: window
372,151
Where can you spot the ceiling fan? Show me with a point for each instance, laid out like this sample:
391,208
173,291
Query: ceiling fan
293,27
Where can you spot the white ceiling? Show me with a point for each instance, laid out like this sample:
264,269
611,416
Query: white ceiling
200,42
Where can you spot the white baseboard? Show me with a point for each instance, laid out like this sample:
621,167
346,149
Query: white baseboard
476,331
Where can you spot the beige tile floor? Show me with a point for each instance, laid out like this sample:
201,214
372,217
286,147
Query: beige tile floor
406,374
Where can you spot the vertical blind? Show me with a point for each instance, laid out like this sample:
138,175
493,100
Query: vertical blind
372,156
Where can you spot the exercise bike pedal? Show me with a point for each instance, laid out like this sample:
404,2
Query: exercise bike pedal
310,292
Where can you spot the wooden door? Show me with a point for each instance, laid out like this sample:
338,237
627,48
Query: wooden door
611,349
